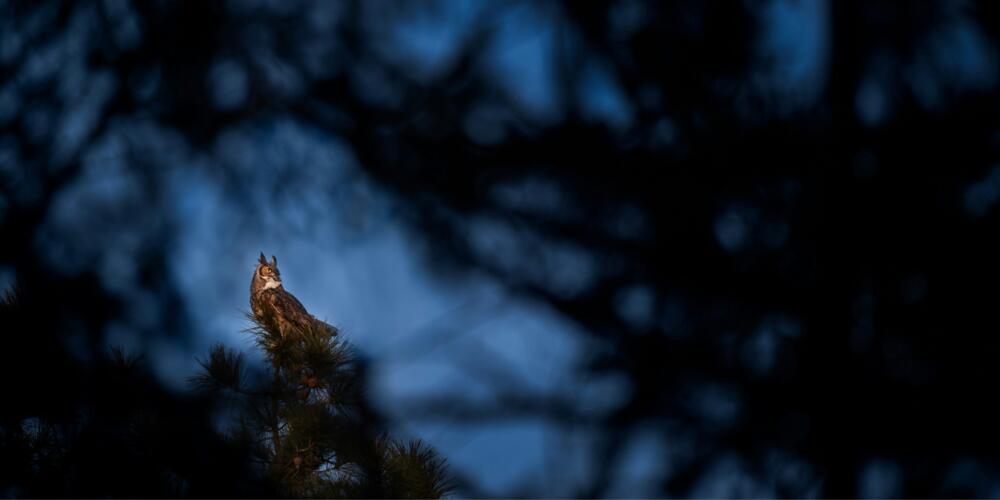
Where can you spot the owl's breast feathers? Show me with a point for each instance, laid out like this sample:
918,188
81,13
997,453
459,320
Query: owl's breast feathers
285,310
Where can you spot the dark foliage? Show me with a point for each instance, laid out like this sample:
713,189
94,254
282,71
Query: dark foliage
86,423
821,257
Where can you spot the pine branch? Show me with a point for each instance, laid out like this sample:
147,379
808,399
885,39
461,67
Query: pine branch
124,360
414,470
223,370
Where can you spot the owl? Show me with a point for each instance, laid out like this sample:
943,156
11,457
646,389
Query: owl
269,299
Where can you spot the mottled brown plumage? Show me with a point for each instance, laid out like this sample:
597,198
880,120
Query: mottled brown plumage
269,301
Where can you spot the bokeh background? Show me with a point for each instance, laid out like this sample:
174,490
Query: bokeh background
613,248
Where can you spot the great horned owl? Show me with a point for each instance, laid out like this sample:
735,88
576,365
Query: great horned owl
270,302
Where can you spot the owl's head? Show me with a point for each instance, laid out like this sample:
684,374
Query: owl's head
267,272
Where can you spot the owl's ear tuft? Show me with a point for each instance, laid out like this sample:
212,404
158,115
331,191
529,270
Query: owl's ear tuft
274,262
262,259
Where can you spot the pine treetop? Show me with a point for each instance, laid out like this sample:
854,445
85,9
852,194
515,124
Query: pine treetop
311,429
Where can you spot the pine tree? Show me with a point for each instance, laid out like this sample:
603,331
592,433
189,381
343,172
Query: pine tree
308,424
